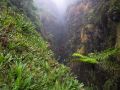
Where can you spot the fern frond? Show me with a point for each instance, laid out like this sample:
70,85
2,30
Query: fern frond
95,58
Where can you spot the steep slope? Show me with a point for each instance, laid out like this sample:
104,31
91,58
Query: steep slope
26,63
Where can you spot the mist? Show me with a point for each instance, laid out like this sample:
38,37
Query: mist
54,14
55,7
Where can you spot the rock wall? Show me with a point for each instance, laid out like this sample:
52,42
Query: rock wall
93,27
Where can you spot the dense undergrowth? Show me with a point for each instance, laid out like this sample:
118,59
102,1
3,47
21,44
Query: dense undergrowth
26,63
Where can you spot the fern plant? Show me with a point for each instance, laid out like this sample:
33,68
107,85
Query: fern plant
95,58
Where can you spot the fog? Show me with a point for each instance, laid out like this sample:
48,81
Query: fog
56,7
61,5
53,15
53,10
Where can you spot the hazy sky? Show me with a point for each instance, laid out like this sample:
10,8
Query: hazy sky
59,3
55,7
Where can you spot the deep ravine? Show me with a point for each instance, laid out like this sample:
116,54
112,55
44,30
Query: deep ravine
87,26
89,29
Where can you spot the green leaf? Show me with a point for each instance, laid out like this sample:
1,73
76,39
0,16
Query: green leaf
95,58
2,58
86,59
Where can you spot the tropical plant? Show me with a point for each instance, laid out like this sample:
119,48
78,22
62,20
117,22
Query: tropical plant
95,58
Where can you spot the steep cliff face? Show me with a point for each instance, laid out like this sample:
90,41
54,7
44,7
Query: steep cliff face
118,36
94,25
88,25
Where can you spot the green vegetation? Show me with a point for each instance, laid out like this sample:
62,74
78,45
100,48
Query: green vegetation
95,58
107,61
26,63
